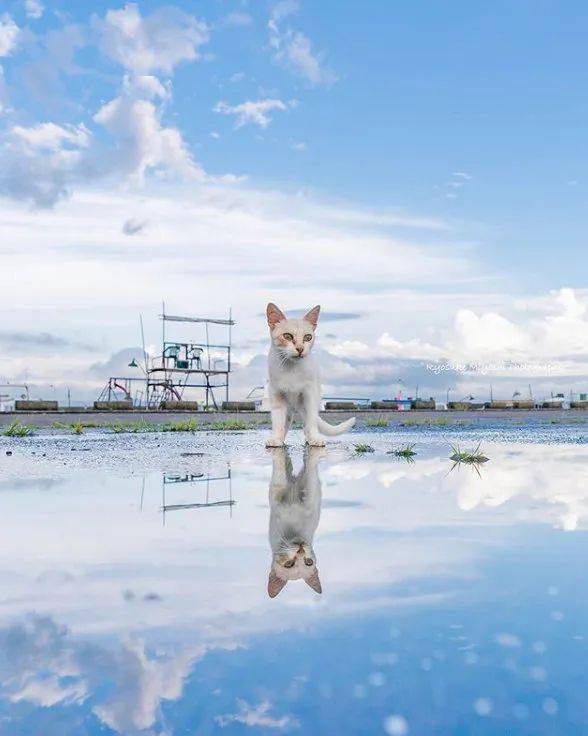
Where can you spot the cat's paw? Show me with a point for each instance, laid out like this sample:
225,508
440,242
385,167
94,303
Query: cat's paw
315,441
274,442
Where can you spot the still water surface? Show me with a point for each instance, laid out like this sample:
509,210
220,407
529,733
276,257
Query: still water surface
454,601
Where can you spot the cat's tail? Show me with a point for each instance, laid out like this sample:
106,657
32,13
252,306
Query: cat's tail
333,429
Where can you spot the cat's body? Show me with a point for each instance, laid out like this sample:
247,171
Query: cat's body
295,508
294,381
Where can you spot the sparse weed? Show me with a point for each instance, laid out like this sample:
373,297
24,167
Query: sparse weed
184,425
469,457
439,422
377,422
231,424
363,448
435,422
407,451
17,429
133,427
76,427
412,422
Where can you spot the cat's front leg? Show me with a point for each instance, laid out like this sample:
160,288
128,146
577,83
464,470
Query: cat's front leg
279,412
311,409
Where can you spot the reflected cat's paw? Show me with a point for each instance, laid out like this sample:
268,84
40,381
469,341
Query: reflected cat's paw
274,442
315,441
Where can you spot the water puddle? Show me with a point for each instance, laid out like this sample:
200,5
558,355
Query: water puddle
319,592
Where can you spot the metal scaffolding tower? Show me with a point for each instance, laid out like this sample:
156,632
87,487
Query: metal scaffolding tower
182,365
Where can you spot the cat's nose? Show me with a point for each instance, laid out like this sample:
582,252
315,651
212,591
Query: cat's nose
300,350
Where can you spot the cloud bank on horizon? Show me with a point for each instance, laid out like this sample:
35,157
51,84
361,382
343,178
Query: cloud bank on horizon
143,155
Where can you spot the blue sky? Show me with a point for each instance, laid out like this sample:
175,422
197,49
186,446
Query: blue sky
449,137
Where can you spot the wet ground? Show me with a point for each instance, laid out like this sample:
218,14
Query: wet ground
44,421
135,572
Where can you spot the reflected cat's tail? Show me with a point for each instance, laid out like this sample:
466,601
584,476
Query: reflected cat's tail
333,429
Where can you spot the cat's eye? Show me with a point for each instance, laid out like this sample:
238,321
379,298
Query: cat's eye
289,563
307,338
308,561
288,336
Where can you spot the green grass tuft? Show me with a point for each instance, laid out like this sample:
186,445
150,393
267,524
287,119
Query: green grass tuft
183,425
133,427
469,457
435,422
377,422
407,451
363,448
17,429
227,425
76,427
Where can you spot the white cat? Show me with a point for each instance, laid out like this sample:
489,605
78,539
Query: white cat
295,509
294,384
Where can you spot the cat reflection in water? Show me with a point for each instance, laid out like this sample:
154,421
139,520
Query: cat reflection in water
295,509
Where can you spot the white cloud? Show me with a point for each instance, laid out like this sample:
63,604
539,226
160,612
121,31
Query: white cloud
293,50
256,717
49,666
487,336
209,235
34,9
45,162
52,137
142,143
413,348
141,686
146,86
283,9
546,488
40,163
48,691
549,337
350,348
238,19
3,93
560,332
9,33
256,113
455,185
157,42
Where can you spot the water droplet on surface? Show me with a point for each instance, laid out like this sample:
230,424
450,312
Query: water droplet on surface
483,706
396,725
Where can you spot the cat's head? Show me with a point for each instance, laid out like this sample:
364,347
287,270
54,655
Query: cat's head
294,562
293,338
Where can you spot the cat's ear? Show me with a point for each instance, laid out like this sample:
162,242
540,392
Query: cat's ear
314,582
274,315
313,315
274,584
